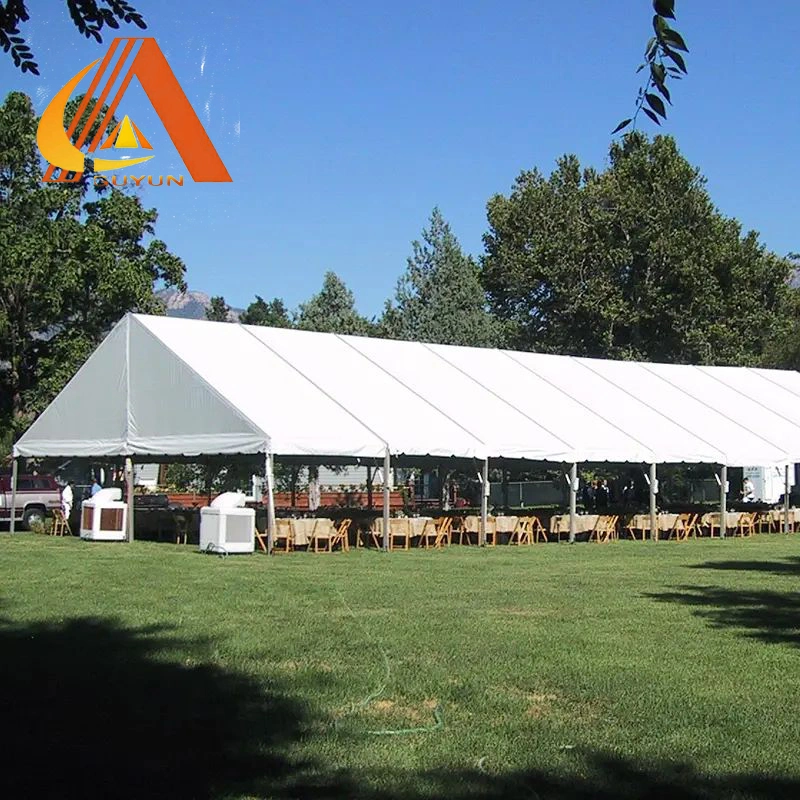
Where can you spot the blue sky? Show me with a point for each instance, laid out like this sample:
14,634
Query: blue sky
344,123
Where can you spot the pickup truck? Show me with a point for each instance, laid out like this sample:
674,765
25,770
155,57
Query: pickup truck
37,495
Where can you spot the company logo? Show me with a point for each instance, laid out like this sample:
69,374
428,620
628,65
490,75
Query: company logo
150,67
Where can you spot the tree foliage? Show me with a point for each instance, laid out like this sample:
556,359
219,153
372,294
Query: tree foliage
664,62
332,310
634,262
72,262
88,16
218,310
439,298
272,314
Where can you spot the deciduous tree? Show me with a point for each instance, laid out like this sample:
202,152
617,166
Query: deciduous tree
88,16
634,262
72,262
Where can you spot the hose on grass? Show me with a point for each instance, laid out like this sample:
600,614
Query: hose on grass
218,549
438,713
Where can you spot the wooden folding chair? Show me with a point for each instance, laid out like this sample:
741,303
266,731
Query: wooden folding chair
373,535
261,538
764,520
691,525
60,525
678,530
444,529
322,536
522,533
537,531
435,532
605,529
460,529
747,524
283,534
404,533
341,534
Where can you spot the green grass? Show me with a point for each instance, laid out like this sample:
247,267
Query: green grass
623,670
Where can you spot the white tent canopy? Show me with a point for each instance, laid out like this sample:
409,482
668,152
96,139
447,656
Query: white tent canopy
160,386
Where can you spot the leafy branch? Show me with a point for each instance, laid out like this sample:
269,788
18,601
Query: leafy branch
664,62
88,16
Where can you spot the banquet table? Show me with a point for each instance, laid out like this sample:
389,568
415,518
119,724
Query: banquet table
305,530
506,524
711,520
584,523
666,522
472,524
406,527
775,518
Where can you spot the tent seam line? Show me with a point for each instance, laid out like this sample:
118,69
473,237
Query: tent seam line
330,397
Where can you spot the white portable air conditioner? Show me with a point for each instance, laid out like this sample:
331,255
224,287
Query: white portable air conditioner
104,517
226,526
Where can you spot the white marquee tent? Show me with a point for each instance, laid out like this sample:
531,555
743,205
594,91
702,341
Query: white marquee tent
160,387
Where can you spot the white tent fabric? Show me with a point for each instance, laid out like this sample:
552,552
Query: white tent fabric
161,386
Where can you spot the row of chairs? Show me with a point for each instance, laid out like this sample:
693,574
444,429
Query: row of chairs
445,530
322,540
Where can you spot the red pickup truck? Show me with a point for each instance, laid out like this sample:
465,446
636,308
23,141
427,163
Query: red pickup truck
37,495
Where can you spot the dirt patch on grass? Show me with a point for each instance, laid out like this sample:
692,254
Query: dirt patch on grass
540,704
290,665
550,703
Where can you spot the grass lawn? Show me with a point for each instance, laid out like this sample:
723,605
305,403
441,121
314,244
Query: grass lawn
626,670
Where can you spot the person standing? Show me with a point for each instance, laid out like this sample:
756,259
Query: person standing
67,499
96,487
602,495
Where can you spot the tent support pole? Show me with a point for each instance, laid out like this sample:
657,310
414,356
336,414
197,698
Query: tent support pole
573,501
387,466
723,501
270,477
129,497
653,512
369,487
14,473
484,501
786,499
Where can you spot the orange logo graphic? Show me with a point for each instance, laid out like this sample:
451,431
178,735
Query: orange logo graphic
164,92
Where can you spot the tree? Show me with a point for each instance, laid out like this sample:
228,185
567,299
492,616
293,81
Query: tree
633,262
72,262
332,310
218,310
272,314
439,298
663,61
88,16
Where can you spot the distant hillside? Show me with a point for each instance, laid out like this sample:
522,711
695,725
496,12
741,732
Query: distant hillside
190,305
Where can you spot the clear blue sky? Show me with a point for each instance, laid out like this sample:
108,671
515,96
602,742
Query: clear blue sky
344,123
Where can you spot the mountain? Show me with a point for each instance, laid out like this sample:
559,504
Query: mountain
190,304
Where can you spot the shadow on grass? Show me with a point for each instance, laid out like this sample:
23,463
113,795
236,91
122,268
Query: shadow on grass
769,616
603,776
788,566
763,614
93,709
90,709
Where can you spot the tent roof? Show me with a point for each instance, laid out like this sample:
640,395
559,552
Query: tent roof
161,386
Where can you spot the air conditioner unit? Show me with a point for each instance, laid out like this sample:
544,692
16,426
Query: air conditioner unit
225,524
104,517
